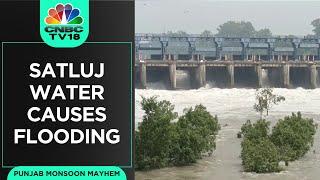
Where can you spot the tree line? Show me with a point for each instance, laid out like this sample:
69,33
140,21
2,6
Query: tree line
243,29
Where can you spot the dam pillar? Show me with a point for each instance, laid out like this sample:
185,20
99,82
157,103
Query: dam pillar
230,69
143,75
313,76
172,75
258,70
201,74
285,75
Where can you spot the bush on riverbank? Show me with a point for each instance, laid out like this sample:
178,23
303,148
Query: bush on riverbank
293,135
255,131
196,134
154,136
161,142
260,156
258,153
290,139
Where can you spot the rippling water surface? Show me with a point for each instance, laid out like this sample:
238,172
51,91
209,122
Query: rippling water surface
233,107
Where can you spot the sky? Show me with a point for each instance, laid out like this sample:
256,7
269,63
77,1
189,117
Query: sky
193,16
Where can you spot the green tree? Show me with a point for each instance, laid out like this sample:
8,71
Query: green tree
236,29
160,142
255,131
294,136
265,99
196,133
206,33
263,33
155,134
258,153
260,156
241,29
316,26
291,138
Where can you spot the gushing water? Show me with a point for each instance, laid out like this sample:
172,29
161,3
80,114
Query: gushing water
265,78
233,107
156,85
183,79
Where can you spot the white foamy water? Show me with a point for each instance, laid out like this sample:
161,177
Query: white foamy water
156,86
233,107
183,79
265,79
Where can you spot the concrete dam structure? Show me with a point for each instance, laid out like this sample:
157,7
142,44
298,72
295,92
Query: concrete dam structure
228,62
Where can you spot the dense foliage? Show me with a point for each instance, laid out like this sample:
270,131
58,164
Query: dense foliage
196,132
316,26
293,135
291,138
259,156
255,131
245,29
258,153
154,138
241,29
160,142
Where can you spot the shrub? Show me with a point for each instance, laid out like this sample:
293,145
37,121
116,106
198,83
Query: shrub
185,149
255,131
154,138
293,136
258,153
196,133
260,156
160,142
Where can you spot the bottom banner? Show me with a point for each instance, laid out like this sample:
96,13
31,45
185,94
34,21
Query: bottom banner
67,173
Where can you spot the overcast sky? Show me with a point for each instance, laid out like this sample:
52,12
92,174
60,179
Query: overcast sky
194,16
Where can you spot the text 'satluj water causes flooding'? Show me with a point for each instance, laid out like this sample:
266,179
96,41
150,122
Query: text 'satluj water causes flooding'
233,107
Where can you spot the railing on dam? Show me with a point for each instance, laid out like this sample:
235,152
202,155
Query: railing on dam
227,48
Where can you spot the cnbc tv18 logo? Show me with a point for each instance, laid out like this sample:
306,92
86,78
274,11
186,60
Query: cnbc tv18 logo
64,21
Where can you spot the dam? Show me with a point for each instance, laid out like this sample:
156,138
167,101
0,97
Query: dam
282,73
229,62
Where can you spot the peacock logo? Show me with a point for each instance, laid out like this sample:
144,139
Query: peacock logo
64,23
64,15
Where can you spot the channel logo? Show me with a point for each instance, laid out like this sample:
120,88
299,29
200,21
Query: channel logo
64,14
64,23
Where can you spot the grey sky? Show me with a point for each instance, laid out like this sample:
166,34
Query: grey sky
194,16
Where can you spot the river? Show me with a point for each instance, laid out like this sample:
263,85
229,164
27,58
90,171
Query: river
233,107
